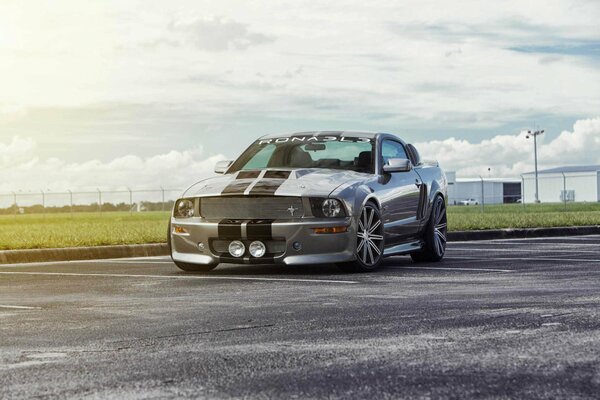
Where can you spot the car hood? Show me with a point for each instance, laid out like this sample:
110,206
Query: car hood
275,182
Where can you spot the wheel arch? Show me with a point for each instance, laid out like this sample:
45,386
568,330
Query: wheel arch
435,191
358,195
372,199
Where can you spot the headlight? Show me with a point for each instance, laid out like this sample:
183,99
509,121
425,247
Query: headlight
329,208
184,208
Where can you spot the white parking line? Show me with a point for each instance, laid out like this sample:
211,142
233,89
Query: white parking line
134,259
190,277
524,250
20,307
38,263
536,239
486,258
573,238
127,261
521,244
95,261
457,269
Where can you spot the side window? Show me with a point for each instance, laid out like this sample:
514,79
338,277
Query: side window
392,149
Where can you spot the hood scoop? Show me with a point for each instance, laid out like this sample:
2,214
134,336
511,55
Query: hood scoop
274,174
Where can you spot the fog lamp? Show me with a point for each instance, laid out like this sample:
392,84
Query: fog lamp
237,248
257,249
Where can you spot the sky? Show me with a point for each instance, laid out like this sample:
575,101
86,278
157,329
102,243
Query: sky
152,93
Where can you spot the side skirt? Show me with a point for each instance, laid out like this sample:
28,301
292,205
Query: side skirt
404,248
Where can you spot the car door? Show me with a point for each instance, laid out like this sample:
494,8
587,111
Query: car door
400,196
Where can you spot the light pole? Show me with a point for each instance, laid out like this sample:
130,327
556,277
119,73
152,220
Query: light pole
535,135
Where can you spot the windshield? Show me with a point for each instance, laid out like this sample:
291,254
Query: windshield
336,152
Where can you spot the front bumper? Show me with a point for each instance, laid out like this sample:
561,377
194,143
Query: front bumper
315,248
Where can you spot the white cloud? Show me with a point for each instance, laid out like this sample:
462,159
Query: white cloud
74,73
219,34
23,170
580,146
369,58
511,155
506,155
16,152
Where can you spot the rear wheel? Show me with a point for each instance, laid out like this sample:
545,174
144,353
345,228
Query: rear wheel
434,246
188,267
369,241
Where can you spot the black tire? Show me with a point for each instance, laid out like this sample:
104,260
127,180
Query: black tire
187,266
195,267
369,241
434,237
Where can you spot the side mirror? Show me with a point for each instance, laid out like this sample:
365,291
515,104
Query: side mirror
397,165
412,150
222,166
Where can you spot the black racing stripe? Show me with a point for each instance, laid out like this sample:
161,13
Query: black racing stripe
266,187
247,175
230,229
241,182
260,229
270,182
277,174
266,259
236,187
231,260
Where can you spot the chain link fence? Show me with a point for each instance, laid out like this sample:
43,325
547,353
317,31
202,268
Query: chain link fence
100,201
568,191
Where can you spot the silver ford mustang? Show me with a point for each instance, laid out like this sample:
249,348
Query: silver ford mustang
349,198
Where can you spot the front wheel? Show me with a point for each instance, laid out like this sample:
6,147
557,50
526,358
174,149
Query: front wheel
434,246
195,267
369,241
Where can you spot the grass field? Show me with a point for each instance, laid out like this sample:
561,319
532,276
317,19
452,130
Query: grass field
82,229
462,218
93,229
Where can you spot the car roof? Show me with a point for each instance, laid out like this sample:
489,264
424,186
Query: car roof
324,133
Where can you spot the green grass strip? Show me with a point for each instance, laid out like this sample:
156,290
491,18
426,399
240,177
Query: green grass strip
93,229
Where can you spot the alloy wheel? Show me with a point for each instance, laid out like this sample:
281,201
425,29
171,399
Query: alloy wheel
369,244
440,227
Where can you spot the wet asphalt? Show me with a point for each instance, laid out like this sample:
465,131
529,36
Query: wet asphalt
496,319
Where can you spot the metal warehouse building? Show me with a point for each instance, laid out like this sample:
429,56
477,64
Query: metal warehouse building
576,183
492,190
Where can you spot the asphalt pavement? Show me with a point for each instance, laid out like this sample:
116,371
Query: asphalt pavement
496,319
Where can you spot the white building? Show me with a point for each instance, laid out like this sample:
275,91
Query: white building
492,190
576,183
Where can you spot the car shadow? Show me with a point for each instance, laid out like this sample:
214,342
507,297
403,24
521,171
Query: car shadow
298,270
269,269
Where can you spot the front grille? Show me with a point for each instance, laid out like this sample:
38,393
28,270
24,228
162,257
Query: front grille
248,207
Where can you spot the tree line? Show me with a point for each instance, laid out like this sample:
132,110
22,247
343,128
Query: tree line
93,207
